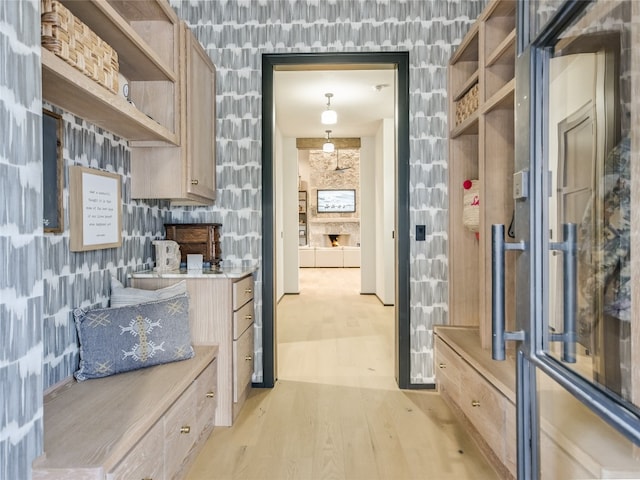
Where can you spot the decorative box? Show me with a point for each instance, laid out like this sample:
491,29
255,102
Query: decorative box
202,238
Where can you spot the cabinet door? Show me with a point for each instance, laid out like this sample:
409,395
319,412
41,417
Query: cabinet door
201,114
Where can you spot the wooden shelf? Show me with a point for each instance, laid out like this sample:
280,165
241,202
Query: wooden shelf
502,99
473,79
468,49
73,91
138,61
505,52
468,127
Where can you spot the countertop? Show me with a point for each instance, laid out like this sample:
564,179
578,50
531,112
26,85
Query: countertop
226,272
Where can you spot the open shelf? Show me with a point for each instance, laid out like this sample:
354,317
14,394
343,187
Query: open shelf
73,91
138,61
504,52
503,98
468,127
144,34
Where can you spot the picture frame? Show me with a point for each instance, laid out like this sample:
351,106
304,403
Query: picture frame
95,209
52,173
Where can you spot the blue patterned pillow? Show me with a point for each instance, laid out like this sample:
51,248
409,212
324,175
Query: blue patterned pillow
115,340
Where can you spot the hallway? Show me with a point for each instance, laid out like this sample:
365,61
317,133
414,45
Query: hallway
336,412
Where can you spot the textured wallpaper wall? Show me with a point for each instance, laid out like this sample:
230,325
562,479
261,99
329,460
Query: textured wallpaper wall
236,33
82,279
21,253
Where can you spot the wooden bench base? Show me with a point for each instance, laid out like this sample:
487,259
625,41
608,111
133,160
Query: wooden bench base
148,423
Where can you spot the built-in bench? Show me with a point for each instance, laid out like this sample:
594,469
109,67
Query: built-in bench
148,423
336,257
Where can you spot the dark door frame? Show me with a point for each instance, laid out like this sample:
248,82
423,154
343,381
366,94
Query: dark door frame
271,62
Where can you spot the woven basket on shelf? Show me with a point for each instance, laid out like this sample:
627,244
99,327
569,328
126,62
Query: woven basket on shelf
467,104
70,39
471,205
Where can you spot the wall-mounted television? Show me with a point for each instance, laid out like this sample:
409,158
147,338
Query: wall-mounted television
336,201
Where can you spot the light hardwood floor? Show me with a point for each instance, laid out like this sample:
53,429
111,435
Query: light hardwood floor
336,411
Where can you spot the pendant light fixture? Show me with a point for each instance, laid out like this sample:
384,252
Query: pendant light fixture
329,116
328,146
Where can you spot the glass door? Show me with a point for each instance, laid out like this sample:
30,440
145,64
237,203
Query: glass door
577,192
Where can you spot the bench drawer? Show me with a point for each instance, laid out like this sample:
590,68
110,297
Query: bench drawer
207,397
143,460
180,431
448,368
485,408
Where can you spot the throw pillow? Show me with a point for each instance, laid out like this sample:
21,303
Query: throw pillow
115,340
122,296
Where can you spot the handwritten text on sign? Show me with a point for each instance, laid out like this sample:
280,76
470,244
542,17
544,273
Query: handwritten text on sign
100,209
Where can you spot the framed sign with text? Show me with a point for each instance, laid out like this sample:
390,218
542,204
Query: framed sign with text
95,209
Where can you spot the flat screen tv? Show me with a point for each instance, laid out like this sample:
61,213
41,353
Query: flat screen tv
336,201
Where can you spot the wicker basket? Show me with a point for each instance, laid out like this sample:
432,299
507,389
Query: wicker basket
471,205
467,104
70,39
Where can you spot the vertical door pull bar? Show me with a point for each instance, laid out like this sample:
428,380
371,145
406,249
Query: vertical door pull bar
569,275
499,336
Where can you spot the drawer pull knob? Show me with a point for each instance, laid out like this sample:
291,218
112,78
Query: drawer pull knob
475,403
186,429
248,358
248,291
248,317
194,182
210,394
443,365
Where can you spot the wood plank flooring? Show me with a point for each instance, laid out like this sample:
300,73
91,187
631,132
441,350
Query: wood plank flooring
336,411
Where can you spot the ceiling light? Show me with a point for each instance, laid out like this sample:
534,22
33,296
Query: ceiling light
329,117
328,146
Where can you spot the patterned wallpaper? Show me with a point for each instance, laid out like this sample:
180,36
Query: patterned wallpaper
82,279
21,252
236,33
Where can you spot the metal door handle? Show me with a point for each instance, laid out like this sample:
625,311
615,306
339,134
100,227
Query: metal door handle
568,247
499,336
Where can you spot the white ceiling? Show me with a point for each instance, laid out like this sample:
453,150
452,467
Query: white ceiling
300,100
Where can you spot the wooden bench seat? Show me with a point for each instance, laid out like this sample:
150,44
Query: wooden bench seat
148,423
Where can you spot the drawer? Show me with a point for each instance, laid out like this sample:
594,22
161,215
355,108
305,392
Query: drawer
242,319
448,368
180,431
484,406
242,363
242,292
207,397
143,461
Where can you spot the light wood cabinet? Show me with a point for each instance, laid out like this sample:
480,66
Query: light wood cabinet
481,392
145,37
481,147
185,174
221,312
148,423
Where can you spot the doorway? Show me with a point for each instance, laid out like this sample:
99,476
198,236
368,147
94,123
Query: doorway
271,63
